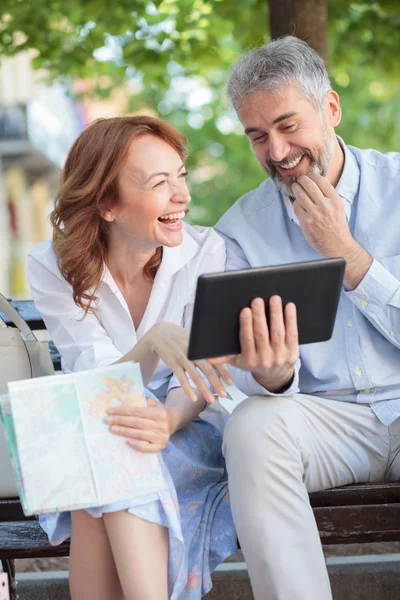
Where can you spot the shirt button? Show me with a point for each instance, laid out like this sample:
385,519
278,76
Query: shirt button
364,303
392,333
350,323
358,371
367,391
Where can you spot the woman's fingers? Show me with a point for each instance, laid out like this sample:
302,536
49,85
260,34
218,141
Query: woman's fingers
145,446
224,373
212,377
146,435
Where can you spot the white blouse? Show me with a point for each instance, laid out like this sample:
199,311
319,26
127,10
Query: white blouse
94,340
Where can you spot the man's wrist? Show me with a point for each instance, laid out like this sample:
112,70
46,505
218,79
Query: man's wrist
277,382
358,262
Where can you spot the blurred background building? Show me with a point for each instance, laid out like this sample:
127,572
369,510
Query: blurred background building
38,123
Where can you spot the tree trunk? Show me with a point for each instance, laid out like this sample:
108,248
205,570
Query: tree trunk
306,19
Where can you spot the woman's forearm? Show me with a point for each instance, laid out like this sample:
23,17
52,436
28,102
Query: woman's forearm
182,410
147,359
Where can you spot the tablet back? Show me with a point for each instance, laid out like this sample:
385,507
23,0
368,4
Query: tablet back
313,286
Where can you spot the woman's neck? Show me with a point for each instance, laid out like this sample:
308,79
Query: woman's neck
125,261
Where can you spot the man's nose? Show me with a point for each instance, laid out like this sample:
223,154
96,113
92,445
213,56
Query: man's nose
278,148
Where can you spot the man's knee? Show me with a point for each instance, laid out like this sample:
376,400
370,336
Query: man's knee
255,423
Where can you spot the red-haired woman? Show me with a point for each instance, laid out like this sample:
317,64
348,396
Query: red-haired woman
117,283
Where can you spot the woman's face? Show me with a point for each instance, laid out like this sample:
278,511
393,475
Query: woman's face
153,196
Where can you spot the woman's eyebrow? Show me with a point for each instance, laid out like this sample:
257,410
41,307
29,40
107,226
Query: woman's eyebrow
162,173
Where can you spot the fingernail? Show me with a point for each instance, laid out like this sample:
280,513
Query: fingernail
114,429
222,393
111,411
108,420
211,398
229,381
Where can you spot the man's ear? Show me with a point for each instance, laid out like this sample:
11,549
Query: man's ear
334,111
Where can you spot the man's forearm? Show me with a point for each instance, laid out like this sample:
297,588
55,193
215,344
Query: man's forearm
358,261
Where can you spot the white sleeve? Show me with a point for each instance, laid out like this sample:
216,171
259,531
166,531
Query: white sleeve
81,339
213,260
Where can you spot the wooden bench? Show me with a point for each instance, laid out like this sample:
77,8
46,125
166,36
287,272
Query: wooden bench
349,514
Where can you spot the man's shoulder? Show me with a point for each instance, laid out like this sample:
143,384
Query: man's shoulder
371,158
250,204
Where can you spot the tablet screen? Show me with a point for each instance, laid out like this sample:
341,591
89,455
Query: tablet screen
314,287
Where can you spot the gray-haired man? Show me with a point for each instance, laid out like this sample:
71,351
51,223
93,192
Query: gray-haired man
323,199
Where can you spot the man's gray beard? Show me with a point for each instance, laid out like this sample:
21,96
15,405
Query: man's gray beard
319,164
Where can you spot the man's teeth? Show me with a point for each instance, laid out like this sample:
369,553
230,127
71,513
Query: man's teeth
173,216
292,164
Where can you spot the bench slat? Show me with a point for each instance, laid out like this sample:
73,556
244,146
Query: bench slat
362,493
26,539
372,523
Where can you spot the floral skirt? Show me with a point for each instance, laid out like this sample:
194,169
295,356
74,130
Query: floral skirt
194,506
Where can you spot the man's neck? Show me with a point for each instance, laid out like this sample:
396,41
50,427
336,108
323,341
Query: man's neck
337,164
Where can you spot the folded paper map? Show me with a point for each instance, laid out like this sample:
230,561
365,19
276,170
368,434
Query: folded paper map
63,454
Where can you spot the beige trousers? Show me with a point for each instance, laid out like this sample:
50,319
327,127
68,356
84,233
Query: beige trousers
279,449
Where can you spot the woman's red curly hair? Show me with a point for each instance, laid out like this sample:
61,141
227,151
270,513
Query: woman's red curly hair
89,185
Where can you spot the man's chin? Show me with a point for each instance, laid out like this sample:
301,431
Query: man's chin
285,185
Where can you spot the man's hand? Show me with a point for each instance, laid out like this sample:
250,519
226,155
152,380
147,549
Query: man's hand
322,218
268,352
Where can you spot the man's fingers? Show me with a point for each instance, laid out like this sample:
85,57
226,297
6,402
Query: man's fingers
323,184
303,199
260,327
246,336
276,323
292,334
312,190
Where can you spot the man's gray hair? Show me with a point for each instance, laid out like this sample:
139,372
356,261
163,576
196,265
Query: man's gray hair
274,66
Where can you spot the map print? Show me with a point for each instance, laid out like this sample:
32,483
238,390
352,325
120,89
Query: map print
64,455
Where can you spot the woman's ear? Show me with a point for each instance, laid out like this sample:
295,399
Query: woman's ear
108,215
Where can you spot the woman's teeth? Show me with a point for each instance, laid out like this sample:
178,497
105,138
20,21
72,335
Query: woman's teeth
173,216
292,164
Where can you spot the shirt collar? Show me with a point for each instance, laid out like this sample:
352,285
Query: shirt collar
172,261
347,186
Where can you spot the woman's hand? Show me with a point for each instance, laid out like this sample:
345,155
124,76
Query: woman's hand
170,343
146,428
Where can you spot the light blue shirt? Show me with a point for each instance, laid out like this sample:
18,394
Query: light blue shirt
361,362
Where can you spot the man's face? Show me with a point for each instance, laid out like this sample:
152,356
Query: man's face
288,135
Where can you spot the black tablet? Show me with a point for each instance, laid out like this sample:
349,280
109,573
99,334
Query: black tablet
313,286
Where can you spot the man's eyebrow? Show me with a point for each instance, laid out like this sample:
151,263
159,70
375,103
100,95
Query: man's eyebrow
284,117
162,173
275,122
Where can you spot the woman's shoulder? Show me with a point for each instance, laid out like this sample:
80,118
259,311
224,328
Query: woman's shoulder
207,238
42,258
43,253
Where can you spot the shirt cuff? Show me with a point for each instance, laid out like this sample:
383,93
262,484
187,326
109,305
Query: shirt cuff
377,287
246,383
